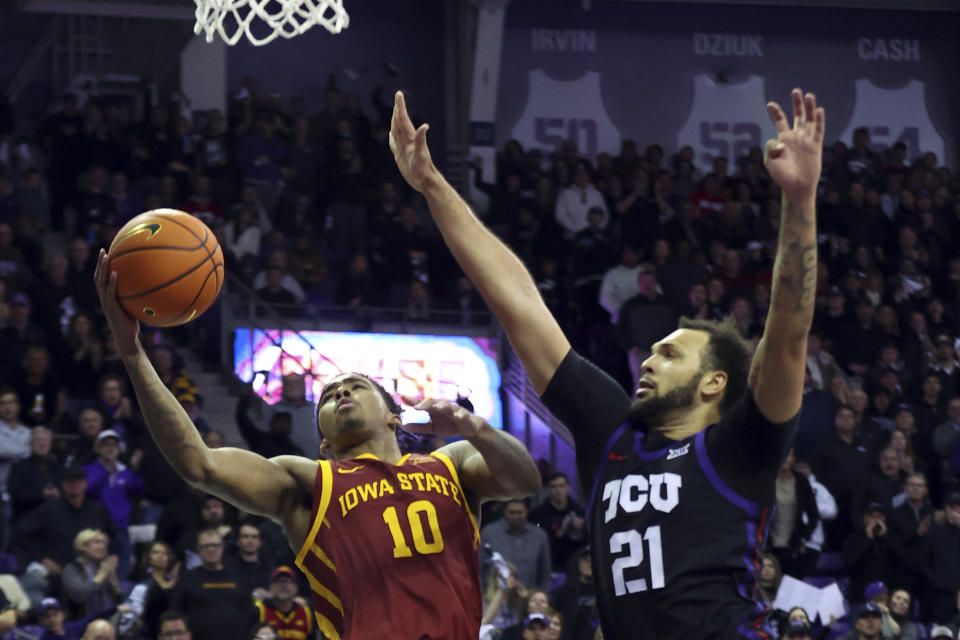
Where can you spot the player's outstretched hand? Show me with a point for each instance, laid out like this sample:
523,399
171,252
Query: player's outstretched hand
125,329
794,159
446,419
409,146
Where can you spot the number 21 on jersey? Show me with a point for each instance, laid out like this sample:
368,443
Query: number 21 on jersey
416,511
632,494
633,540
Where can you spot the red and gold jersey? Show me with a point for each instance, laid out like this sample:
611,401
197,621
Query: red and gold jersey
392,552
296,625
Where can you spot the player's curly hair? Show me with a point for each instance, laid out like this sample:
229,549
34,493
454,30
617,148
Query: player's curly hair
726,351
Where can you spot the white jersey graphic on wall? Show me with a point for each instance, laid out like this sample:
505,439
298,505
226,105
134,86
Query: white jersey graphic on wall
725,120
560,110
895,115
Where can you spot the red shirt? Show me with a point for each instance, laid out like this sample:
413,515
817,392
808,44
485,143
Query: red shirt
393,550
296,625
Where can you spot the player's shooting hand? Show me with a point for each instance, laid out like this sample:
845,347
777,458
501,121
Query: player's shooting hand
446,419
794,159
409,146
124,328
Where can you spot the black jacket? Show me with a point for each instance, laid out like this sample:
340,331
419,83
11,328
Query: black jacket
806,505
26,482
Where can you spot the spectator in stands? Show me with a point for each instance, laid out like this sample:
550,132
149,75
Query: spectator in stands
562,519
294,401
114,405
174,625
191,404
278,259
281,609
171,373
242,233
250,559
99,630
47,533
522,544
274,294
821,365
906,457
14,446
357,288
910,523
36,478
870,554
885,484
117,486
90,581
53,619
78,275
619,284
869,623
276,441
939,632
942,563
38,386
85,357
200,203
796,630
575,203
876,592
212,596
840,464
575,599
150,597
768,580
83,450
644,319
503,599
826,509
505,196
795,519
946,436
536,602
902,612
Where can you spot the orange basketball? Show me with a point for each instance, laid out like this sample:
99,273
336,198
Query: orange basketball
169,267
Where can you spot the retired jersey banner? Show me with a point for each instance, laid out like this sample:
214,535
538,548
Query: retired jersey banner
699,75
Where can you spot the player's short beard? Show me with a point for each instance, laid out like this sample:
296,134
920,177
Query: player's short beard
653,410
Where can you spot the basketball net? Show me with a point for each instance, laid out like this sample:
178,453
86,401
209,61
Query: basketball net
286,18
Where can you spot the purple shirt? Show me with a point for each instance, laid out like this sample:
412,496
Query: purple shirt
115,490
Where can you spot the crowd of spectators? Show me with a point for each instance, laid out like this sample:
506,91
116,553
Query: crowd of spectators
311,212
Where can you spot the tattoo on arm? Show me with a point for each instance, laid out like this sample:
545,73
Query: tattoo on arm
795,271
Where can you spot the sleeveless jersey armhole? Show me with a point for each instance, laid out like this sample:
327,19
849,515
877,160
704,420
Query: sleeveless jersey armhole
325,478
445,459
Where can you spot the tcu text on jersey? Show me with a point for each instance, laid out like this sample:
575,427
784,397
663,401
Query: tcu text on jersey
558,110
632,494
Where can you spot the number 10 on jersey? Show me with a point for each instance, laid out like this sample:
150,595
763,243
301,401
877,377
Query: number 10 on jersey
414,511
633,540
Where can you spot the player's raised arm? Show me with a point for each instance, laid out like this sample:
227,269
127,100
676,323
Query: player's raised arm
492,465
794,162
498,274
242,478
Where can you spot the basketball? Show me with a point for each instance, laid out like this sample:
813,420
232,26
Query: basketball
169,267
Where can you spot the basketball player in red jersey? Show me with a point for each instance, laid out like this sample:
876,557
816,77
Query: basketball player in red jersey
387,542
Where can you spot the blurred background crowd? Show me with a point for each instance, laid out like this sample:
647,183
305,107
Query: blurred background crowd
312,215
